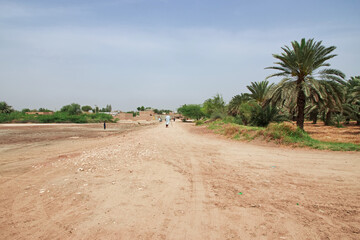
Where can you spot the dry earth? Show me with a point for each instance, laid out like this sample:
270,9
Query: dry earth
348,133
79,182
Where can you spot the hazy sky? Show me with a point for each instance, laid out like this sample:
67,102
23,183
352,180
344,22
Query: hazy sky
158,53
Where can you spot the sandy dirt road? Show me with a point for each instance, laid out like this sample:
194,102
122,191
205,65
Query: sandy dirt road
176,183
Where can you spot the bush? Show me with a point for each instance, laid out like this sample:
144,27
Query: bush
218,114
199,122
284,131
262,116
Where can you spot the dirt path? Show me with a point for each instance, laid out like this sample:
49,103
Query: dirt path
175,183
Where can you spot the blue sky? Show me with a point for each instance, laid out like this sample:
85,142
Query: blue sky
158,53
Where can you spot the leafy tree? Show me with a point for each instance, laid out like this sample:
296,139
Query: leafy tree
259,90
86,108
142,108
72,109
245,111
5,108
234,107
301,67
214,105
192,111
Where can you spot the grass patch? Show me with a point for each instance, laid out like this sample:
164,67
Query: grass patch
280,133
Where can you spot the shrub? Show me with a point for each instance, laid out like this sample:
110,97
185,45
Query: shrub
199,122
283,131
218,114
262,116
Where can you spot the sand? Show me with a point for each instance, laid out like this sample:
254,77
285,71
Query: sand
170,183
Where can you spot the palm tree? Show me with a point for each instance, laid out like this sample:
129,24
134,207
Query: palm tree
302,68
235,103
259,90
352,102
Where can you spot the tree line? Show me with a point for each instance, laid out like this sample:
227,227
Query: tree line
68,113
309,89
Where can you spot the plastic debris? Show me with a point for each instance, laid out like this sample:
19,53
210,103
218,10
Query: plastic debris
240,193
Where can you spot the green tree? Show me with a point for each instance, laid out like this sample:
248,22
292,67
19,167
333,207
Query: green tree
142,108
214,106
192,111
72,109
325,100
234,107
259,90
86,108
5,108
302,67
352,99
245,111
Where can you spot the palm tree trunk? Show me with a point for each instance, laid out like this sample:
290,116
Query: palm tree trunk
314,116
328,119
300,109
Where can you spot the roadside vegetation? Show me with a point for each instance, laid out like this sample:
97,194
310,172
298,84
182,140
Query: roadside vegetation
308,91
284,133
71,113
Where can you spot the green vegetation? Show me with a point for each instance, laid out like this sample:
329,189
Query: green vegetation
191,111
68,114
86,108
214,107
71,109
309,90
5,108
161,111
108,108
57,117
281,133
305,78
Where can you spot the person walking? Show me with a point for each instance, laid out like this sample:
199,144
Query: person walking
104,125
167,120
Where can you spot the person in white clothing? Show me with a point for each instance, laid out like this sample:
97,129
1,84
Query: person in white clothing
167,120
